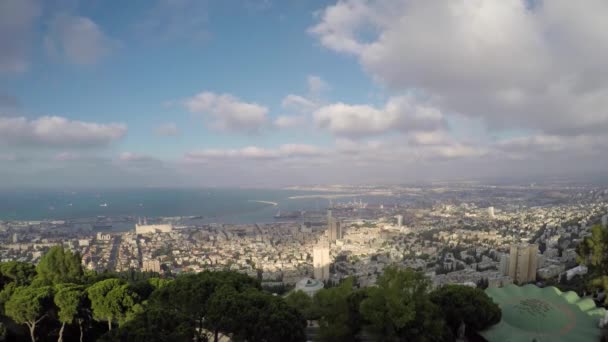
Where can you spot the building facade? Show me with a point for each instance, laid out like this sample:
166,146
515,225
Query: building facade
333,227
151,266
523,263
320,260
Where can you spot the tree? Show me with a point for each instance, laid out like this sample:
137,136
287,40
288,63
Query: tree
593,251
267,318
303,303
29,305
103,308
335,313
158,283
122,301
59,266
189,294
462,304
72,302
224,310
20,273
153,325
399,308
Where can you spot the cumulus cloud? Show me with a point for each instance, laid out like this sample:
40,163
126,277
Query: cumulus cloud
401,113
17,19
77,39
514,65
167,130
50,131
227,112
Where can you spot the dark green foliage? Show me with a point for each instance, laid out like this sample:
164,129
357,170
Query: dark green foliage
303,303
188,294
19,273
106,300
153,325
399,309
336,312
29,305
463,304
59,266
264,317
593,251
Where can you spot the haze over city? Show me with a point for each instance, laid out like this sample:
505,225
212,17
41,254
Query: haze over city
275,93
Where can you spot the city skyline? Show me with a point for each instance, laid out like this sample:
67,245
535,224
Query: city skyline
269,93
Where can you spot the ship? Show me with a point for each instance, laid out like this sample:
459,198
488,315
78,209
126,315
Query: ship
288,215
102,226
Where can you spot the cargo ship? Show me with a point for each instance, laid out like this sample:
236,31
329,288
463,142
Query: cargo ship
288,215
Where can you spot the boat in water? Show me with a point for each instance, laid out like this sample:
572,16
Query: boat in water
288,215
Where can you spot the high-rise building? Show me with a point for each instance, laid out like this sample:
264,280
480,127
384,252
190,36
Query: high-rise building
605,221
491,212
399,221
320,261
504,264
333,227
523,263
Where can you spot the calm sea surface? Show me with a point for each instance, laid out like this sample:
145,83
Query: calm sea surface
215,205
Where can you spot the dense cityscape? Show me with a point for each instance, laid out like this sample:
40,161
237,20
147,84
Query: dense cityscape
456,234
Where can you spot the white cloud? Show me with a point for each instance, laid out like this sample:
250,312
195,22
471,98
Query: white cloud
227,112
290,121
17,19
58,131
257,153
316,85
167,129
298,103
401,113
437,137
78,39
514,65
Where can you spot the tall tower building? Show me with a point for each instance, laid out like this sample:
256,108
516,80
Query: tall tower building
333,228
399,221
504,264
320,261
491,212
523,262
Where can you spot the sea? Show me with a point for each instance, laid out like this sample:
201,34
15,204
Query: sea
232,206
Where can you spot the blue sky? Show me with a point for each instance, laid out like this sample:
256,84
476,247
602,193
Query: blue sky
274,93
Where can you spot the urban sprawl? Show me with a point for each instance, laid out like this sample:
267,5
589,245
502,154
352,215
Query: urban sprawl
456,234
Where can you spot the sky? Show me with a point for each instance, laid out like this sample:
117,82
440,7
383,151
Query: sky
274,93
